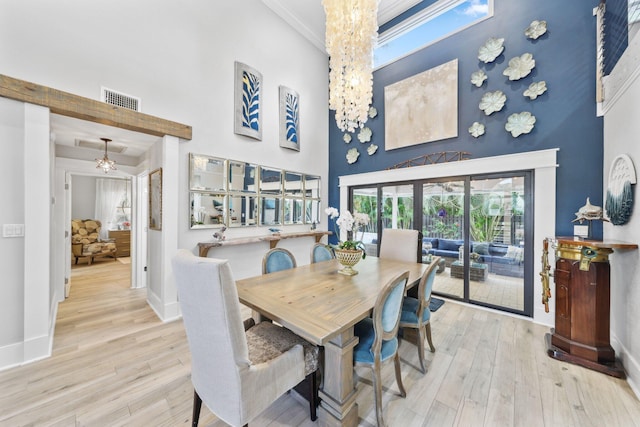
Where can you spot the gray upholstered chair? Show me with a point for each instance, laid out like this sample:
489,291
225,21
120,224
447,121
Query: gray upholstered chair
401,245
320,252
277,259
378,337
237,374
415,311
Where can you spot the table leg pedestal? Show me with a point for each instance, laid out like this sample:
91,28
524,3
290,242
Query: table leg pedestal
338,405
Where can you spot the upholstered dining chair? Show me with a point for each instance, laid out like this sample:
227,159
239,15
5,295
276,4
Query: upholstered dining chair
320,252
277,259
378,337
236,374
415,311
401,245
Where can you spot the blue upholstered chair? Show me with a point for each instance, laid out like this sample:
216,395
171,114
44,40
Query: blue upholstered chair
277,259
378,337
415,311
320,252
233,370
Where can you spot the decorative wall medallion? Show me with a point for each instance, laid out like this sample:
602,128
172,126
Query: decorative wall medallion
476,129
535,89
491,49
520,123
346,138
520,66
364,135
536,29
478,77
373,111
371,149
619,201
352,155
492,102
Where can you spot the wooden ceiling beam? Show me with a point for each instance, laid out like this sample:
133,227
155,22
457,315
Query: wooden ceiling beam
67,104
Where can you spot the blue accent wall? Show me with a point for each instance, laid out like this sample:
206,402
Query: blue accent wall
566,113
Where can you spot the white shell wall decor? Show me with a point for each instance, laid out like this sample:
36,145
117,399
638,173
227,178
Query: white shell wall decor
476,129
364,135
492,102
372,149
478,77
535,89
520,123
619,202
520,66
536,29
491,49
373,111
346,138
352,155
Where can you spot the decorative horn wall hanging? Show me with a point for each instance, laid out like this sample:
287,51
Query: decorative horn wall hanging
619,201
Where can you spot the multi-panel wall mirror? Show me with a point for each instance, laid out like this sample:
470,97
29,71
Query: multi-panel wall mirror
238,194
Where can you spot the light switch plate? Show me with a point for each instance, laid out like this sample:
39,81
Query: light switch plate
581,230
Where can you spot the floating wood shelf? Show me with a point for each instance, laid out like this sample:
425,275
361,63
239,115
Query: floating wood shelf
273,239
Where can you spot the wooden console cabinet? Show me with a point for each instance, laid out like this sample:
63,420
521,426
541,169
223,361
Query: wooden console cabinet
123,242
582,277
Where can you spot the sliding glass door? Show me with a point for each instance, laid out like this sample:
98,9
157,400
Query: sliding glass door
497,229
480,227
443,231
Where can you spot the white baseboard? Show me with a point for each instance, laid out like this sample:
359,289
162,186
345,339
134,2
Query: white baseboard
11,355
630,364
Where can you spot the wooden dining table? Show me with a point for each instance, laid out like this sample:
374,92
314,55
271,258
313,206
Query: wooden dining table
322,306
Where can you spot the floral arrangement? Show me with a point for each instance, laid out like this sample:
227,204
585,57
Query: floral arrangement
350,224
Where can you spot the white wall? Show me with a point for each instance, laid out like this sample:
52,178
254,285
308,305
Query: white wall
83,197
178,57
621,130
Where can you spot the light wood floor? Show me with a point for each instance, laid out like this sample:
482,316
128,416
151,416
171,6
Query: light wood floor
115,364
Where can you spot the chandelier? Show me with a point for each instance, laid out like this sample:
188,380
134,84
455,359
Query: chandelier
351,32
105,164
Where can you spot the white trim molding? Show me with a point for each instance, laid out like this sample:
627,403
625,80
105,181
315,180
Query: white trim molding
542,162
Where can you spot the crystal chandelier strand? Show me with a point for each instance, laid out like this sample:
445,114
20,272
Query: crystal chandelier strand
351,33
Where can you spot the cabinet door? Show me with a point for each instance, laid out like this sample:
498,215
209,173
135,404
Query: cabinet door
563,298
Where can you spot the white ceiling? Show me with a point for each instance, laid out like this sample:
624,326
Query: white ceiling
67,130
308,17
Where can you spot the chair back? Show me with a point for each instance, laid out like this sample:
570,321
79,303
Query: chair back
426,286
386,312
320,252
215,332
401,245
277,259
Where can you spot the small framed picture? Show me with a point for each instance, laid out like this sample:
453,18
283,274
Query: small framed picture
248,101
155,200
289,118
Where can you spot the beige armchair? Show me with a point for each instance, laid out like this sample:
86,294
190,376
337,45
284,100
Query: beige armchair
85,240
401,245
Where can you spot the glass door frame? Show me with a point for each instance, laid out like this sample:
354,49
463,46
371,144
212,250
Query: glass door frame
528,175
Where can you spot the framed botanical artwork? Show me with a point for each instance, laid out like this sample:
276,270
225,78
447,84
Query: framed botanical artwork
248,101
289,118
155,199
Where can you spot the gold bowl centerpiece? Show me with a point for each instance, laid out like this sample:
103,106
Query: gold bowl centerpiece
348,251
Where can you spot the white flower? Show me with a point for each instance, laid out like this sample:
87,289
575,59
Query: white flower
535,89
345,221
346,138
520,66
478,77
364,135
476,129
492,102
372,149
520,123
491,50
360,219
332,212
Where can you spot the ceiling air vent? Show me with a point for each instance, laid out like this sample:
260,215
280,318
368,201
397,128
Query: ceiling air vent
120,99
111,148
